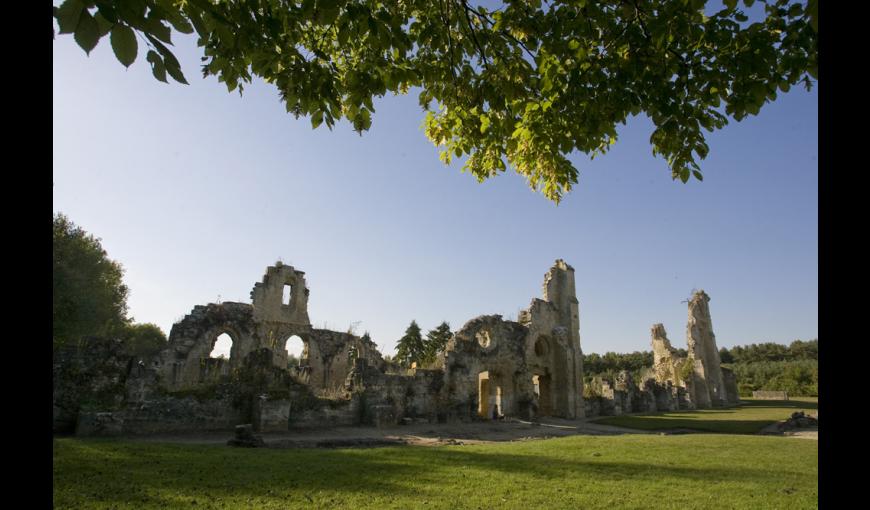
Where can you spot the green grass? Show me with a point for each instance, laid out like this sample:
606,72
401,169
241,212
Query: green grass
748,418
628,471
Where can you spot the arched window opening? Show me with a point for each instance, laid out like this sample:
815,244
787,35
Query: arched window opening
295,348
287,294
222,347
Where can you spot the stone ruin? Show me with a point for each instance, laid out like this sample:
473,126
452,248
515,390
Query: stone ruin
492,368
699,380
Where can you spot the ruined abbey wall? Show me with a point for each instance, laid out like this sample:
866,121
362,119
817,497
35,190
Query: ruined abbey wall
491,368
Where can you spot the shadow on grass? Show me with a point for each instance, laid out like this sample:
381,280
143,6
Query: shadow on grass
786,404
166,475
749,417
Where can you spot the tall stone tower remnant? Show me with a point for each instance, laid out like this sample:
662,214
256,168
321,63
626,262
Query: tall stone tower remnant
709,387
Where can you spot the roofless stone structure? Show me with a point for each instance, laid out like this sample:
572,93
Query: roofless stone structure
491,368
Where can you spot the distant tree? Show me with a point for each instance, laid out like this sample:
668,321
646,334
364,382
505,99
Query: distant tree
519,83
436,341
725,356
143,340
410,347
89,296
292,361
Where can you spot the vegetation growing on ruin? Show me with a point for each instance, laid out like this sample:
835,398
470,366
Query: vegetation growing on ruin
628,471
749,418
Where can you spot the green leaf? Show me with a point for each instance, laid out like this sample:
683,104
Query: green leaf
316,119
731,4
179,23
87,32
697,175
169,60
684,175
104,24
68,16
124,44
155,27
157,68
484,123
198,24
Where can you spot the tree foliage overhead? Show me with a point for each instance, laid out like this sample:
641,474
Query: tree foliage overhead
524,84
89,296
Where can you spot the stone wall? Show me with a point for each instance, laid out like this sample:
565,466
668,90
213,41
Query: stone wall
492,367
89,376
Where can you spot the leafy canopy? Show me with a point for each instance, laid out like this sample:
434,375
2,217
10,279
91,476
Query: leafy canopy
525,84
144,340
89,296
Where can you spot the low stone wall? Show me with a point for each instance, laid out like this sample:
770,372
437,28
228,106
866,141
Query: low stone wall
770,395
167,415
334,415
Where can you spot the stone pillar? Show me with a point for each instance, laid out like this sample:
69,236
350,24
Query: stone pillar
559,289
703,350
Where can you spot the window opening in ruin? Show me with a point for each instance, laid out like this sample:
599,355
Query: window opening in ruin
222,347
287,295
295,348
542,346
484,408
483,338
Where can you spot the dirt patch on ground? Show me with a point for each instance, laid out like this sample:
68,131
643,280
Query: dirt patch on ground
421,434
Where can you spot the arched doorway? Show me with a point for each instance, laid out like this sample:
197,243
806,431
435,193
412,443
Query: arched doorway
541,384
489,397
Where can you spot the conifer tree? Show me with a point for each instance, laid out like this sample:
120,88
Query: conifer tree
410,347
436,341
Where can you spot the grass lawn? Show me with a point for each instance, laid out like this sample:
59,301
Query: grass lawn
748,418
613,472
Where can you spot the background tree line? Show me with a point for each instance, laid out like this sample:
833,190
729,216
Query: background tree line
89,297
765,366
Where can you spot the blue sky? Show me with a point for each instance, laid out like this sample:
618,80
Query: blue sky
195,191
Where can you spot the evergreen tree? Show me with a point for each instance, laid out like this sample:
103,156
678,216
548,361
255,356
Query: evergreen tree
436,341
410,347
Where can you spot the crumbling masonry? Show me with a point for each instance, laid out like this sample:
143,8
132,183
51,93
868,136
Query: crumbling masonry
699,380
491,368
